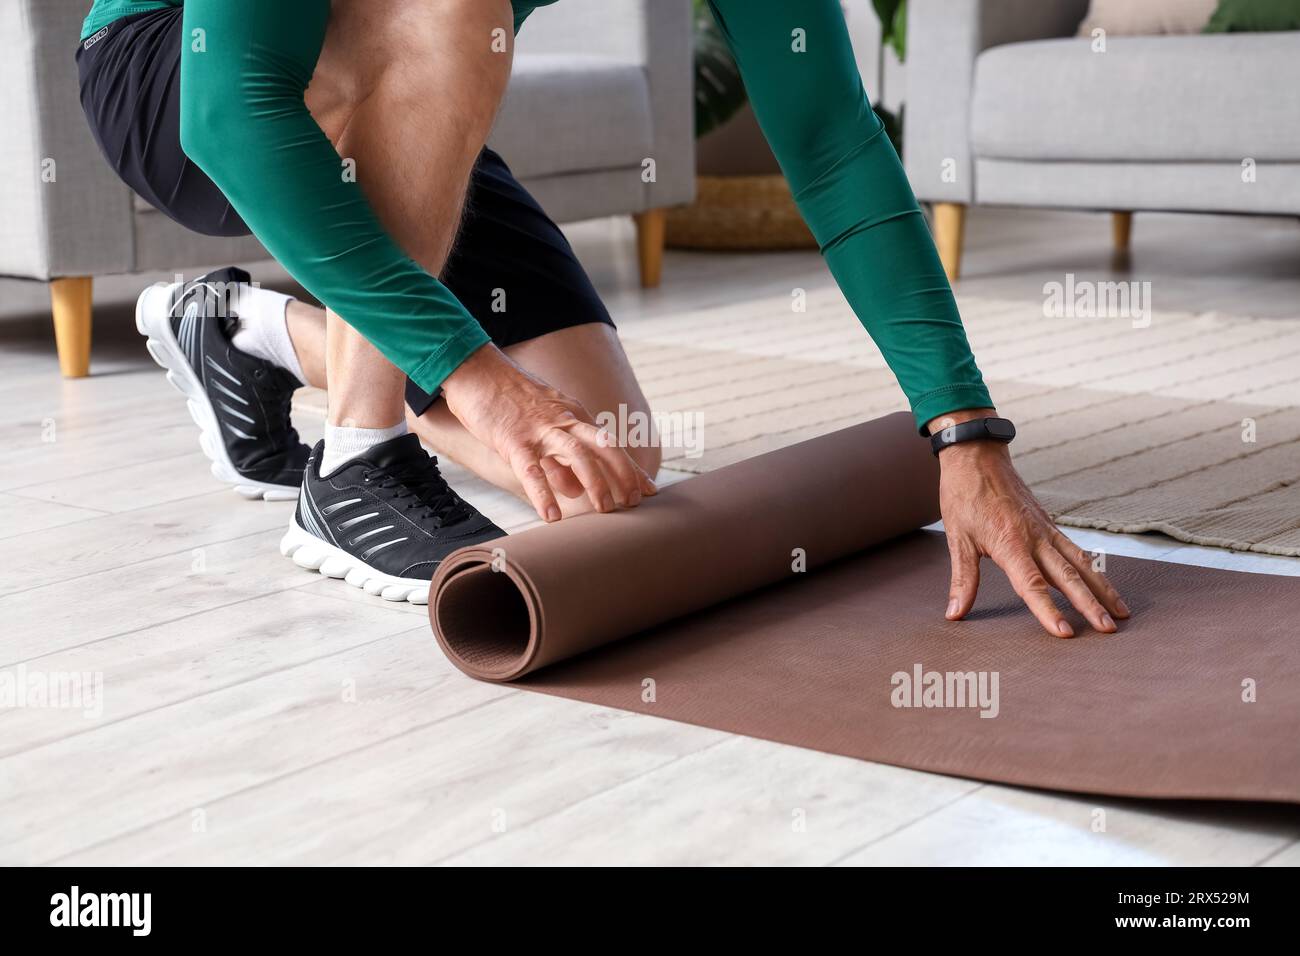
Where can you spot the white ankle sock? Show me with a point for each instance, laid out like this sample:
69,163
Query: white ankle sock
342,444
264,327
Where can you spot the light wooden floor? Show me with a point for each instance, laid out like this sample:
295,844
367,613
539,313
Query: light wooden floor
254,712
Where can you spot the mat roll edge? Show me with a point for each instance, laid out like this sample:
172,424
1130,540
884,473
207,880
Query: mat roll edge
511,606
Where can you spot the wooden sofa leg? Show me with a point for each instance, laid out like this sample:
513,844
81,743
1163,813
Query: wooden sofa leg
650,245
949,234
1121,228
70,301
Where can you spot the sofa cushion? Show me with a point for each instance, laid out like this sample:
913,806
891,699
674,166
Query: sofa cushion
1181,98
567,113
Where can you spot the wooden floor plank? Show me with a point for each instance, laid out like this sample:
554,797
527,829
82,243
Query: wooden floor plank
191,754
419,796
20,516
120,600
742,803
132,486
998,826
161,666
43,558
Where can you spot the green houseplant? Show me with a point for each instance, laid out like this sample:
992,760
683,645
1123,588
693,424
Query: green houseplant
719,90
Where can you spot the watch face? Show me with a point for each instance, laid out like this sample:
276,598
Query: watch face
1000,428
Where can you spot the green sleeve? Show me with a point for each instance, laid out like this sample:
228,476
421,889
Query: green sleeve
852,191
244,67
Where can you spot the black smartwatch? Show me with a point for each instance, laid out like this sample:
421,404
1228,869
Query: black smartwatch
998,429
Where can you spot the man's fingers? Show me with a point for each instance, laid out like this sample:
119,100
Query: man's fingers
566,483
624,476
1097,582
1028,580
569,450
528,469
562,479
1066,578
638,479
965,578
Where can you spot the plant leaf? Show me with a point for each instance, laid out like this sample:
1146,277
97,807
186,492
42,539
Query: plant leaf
719,90
898,31
886,11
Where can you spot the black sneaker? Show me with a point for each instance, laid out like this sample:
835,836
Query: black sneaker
240,402
383,521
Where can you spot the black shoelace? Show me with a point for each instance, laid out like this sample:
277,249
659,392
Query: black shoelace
276,399
422,488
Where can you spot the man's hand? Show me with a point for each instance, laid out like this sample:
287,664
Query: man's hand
989,512
549,440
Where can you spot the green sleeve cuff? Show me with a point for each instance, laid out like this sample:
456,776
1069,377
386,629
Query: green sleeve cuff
949,398
431,373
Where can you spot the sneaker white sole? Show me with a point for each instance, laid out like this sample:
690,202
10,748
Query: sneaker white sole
310,552
151,320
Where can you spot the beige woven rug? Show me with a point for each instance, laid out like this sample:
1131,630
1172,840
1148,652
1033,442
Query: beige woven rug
1187,425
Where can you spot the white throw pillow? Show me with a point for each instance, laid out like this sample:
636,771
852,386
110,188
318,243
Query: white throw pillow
1147,17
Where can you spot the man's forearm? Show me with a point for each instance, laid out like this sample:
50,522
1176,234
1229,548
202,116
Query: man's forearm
244,122
802,80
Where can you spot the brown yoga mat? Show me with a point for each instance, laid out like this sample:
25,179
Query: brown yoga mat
692,607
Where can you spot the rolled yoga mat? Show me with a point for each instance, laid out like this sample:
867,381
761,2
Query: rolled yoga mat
791,597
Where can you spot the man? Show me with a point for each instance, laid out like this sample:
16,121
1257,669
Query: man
270,97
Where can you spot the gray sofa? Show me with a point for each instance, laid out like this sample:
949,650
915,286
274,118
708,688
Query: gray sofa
1005,105
599,86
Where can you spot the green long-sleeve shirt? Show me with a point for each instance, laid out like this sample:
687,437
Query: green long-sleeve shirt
244,122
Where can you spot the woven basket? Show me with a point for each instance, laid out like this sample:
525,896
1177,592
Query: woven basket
739,212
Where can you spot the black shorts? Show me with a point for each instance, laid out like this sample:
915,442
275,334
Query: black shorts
130,91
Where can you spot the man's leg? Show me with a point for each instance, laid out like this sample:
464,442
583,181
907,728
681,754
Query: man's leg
586,362
407,93
412,153
515,271
370,94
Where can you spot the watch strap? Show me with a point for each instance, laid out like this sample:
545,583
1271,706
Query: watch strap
977,429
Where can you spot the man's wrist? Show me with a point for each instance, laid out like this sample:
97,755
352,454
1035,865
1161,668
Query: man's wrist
970,446
948,419
465,375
